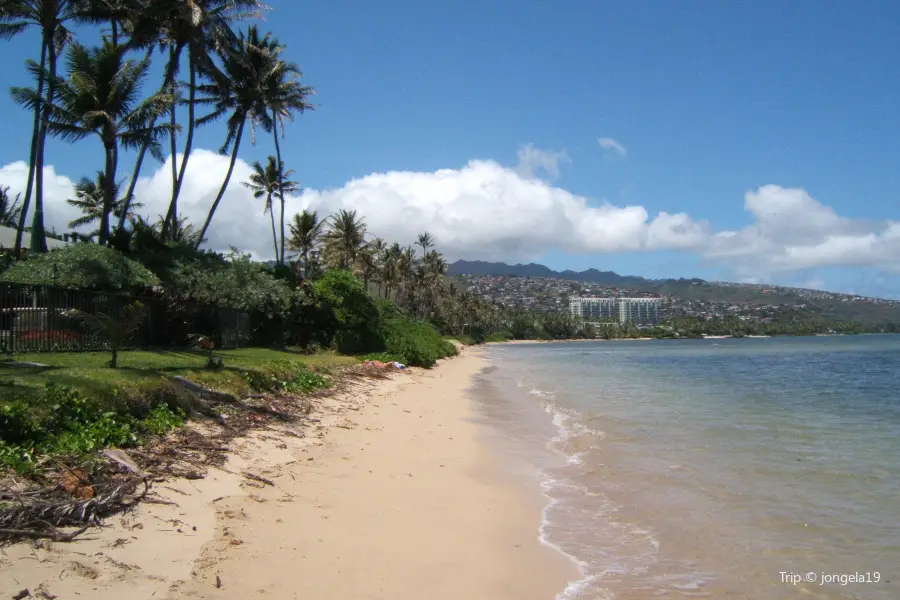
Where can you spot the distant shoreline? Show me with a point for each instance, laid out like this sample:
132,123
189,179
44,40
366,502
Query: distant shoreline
638,339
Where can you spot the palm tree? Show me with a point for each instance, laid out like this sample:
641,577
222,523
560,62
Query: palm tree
237,89
305,233
10,211
264,182
89,199
388,268
284,185
50,16
426,241
203,27
102,97
433,268
406,262
284,96
368,265
345,238
376,249
119,14
182,232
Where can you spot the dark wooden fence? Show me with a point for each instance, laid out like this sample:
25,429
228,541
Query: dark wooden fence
45,319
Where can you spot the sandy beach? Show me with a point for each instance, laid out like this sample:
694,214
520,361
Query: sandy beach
387,492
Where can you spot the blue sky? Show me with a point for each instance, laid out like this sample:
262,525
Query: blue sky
704,105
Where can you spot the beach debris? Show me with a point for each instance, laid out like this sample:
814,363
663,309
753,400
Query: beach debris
122,459
61,494
39,512
218,581
377,364
43,592
22,594
77,482
258,478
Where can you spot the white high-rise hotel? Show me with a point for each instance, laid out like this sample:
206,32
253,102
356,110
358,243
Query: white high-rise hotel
640,311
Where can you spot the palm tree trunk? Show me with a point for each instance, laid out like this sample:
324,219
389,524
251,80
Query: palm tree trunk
38,239
109,186
32,160
189,140
134,177
272,215
280,257
173,150
212,210
171,219
138,163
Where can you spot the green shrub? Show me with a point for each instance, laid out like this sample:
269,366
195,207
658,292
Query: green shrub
82,266
498,336
292,377
306,381
414,343
344,313
64,422
235,282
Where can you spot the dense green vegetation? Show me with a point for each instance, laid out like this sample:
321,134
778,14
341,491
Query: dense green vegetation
76,403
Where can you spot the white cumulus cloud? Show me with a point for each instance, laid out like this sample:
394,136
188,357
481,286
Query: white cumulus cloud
611,144
791,230
485,210
57,189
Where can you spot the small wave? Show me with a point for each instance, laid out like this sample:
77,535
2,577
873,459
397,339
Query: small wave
575,442
577,589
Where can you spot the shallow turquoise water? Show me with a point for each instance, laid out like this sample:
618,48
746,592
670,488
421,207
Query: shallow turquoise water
713,468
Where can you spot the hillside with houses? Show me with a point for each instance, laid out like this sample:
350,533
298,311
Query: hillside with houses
549,291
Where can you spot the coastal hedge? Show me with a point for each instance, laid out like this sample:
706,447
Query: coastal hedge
83,266
344,315
412,342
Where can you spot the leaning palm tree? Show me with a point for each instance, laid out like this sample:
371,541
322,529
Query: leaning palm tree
89,200
284,96
102,96
50,16
10,211
344,239
306,231
236,88
203,27
264,182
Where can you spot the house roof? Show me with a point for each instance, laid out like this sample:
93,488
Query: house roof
8,239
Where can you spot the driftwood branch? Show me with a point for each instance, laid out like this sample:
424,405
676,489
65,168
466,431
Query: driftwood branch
258,478
53,535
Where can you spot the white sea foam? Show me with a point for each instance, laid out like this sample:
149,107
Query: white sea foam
594,563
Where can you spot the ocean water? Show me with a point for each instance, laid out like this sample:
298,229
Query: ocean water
737,468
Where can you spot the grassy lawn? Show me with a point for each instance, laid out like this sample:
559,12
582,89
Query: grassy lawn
140,371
